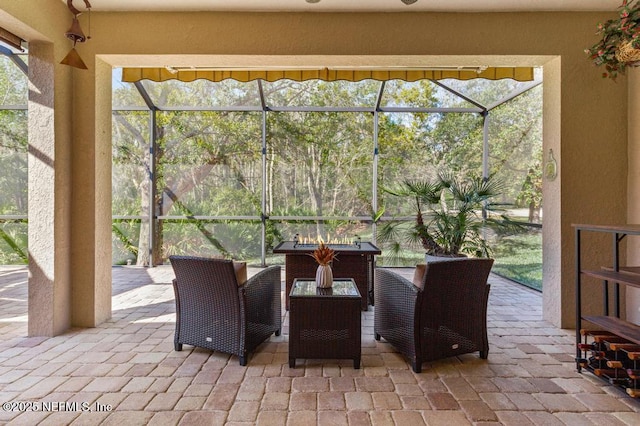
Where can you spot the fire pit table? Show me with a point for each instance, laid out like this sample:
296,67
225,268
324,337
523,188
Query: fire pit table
352,261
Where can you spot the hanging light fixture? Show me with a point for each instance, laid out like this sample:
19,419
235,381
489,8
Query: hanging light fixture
408,2
76,35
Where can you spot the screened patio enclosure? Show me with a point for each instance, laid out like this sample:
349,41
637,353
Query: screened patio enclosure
13,158
233,161
232,168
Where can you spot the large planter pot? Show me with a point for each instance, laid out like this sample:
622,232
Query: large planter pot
324,276
428,258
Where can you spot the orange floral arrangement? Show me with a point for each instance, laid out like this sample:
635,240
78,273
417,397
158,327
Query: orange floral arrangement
323,254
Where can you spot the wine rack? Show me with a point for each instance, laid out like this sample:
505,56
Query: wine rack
612,358
612,351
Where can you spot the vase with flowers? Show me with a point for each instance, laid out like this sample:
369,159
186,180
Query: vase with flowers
324,256
619,44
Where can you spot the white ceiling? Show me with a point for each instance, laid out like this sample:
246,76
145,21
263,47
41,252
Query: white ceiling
351,5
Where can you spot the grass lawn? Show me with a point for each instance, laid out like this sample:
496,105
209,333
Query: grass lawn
519,258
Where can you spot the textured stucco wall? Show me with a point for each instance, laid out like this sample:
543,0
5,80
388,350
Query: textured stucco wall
585,116
42,24
633,207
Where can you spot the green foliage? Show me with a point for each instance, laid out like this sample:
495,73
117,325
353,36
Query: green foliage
13,242
456,143
448,215
227,238
13,161
13,237
127,243
131,162
318,164
614,33
13,82
272,235
309,150
519,258
515,136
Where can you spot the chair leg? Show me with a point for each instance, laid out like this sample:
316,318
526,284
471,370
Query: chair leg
484,354
376,336
243,360
416,365
177,346
277,332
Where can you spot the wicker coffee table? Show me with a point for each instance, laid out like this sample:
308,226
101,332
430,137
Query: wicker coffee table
324,323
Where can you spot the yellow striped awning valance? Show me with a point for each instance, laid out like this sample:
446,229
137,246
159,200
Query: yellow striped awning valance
131,75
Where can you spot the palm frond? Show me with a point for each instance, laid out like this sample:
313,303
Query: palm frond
389,232
393,254
448,217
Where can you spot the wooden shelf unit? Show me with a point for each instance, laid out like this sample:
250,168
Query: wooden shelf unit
615,277
610,320
617,326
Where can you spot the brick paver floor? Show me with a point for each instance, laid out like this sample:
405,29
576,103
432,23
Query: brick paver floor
126,372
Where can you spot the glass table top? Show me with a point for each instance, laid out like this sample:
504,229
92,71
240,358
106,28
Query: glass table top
341,287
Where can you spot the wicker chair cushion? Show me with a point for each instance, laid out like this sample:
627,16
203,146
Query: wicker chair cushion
240,268
418,275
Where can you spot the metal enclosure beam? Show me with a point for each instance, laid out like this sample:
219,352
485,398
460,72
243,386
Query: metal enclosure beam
477,108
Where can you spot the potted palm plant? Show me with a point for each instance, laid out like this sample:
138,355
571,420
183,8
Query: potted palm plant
619,44
451,217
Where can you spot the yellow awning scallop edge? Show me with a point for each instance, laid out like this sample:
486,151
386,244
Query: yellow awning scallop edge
131,75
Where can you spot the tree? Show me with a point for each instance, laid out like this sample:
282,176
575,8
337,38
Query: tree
13,160
319,162
191,147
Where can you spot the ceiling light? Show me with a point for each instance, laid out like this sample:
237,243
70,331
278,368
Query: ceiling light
408,2
317,1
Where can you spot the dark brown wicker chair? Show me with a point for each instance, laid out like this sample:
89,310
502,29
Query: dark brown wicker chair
447,317
214,312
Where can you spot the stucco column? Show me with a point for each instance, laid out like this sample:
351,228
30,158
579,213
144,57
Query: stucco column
555,294
103,166
49,173
91,186
633,186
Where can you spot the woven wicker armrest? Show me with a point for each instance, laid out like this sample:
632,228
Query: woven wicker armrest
263,299
395,302
261,285
267,276
389,284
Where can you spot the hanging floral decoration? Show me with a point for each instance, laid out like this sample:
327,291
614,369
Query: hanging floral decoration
619,44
